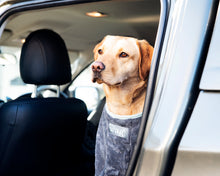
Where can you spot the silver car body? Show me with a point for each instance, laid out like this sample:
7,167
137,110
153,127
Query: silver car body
183,49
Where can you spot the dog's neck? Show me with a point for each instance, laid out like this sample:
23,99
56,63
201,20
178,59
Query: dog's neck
125,99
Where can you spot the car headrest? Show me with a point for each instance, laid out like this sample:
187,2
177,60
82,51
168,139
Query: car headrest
44,59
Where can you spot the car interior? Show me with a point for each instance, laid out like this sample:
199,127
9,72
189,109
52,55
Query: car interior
45,58
44,61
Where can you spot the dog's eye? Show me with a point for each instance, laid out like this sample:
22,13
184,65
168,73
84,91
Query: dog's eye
123,54
100,51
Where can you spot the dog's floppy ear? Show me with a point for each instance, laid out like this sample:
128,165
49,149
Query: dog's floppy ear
146,53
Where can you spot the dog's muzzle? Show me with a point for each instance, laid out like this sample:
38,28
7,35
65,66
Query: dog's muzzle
97,68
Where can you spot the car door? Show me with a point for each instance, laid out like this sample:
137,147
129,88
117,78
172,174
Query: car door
180,97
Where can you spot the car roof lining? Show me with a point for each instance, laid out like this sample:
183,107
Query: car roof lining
137,18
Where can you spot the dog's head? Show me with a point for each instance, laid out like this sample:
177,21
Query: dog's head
119,58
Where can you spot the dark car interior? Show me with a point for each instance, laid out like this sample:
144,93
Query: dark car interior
54,135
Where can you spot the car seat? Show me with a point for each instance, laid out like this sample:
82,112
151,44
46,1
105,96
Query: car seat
42,136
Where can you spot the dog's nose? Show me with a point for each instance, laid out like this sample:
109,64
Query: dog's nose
97,66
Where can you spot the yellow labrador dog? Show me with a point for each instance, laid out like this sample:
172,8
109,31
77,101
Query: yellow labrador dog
122,64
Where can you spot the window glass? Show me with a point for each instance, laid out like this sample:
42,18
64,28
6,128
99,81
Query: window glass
11,84
84,89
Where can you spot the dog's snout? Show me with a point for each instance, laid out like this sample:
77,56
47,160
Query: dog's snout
98,66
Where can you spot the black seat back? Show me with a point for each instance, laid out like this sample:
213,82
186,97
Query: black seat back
42,136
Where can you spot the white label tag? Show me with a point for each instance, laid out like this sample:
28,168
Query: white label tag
118,130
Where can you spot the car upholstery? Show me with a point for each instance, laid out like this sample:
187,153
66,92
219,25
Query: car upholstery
42,135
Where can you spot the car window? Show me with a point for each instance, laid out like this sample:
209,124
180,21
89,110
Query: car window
84,89
81,33
11,84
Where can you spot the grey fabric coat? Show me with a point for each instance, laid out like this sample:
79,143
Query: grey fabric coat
115,143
